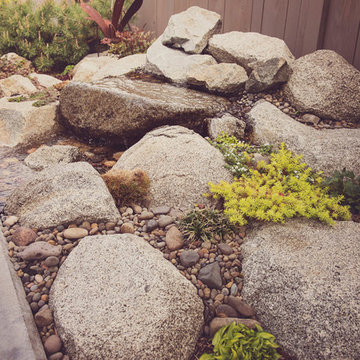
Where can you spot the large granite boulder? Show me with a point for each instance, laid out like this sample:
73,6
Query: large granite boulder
172,64
17,85
180,164
302,278
248,49
221,78
22,124
190,30
46,156
116,297
123,110
327,150
62,194
44,81
325,84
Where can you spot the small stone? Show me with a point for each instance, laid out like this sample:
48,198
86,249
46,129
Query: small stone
10,221
109,163
39,250
207,293
68,246
52,344
75,233
110,226
234,289
206,245
36,297
151,225
219,322
240,306
189,258
43,317
127,228
56,356
38,278
225,248
310,118
174,239
23,236
225,310
165,220
45,297
51,261
161,210
219,297
210,275
146,215
34,307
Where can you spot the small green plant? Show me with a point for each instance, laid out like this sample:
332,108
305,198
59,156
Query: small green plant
135,41
238,154
344,183
283,189
238,342
127,186
68,69
203,224
17,99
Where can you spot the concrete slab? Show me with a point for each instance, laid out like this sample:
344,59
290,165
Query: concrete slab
19,338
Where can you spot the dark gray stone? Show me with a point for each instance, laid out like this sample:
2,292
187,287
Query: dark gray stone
189,258
210,275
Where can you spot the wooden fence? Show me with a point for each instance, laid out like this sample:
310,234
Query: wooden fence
305,25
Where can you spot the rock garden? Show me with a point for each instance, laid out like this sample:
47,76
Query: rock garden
196,201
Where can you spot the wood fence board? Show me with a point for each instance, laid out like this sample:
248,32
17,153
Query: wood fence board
146,16
292,23
356,61
202,3
274,18
257,15
237,17
180,5
342,27
309,26
164,9
219,7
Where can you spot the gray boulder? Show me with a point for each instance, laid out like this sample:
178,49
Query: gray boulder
222,78
23,124
116,297
45,81
268,75
62,194
179,162
226,124
325,84
327,150
124,110
16,85
191,29
172,64
248,49
302,278
46,156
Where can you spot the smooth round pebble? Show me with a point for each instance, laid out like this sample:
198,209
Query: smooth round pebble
52,344
75,233
51,261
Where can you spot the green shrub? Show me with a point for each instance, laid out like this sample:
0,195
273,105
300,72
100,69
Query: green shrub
344,183
238,154
51,36
283,189
203,224
238,342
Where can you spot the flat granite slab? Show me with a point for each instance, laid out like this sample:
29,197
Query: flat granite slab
19,338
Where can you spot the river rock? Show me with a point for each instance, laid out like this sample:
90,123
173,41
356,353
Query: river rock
248,49
240,306
23,236
190,30
226,124
52,344
218,322
62,194
302,277
39,250
44,317
17,85
189,258
174,239
22,124
150,310
191,162
210,275
172,64
75,233
46,156
221,78
268,75
123,110
327,149
325,84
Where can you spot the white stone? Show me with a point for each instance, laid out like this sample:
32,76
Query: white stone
116,297
17,85
172,64
191,29
44,80
21,123
46,156
222,78
326,150
226,124
180,163
247,49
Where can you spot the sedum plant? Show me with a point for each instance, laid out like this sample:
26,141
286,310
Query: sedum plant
238,342
283,189
203,224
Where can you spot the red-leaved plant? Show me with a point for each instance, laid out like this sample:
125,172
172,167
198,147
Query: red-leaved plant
112,29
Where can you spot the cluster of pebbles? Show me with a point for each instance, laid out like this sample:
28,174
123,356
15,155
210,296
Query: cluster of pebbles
213,267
